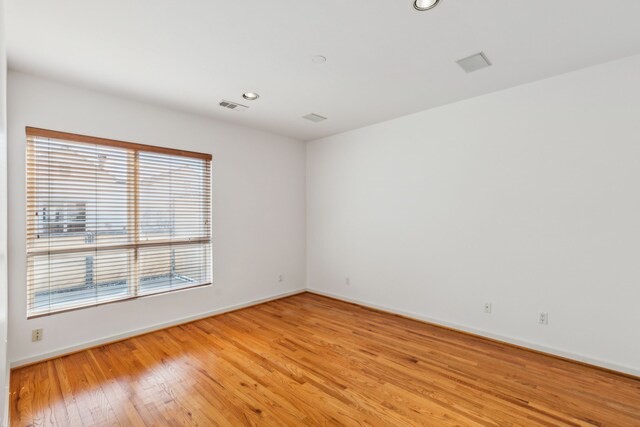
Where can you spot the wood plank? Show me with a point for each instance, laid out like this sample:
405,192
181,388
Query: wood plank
312,360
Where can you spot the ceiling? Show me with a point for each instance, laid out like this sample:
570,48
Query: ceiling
384,59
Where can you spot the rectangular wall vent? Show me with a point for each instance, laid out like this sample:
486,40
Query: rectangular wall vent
474,62
233,106
314,117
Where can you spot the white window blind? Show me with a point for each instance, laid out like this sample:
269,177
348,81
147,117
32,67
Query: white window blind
110,220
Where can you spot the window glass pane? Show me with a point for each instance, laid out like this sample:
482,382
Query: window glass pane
173,267
174,197
79,193
84,278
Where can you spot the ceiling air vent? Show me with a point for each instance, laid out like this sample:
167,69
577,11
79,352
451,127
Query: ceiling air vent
314,117
233,106
474,62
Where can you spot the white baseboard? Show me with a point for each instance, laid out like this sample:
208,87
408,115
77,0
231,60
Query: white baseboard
133,333
552,351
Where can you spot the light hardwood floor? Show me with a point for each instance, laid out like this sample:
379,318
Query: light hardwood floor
310,360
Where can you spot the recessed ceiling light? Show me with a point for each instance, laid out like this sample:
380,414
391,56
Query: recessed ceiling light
425,4
319,59
250,96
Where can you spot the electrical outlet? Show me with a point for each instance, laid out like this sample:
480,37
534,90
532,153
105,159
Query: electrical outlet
487,307
544,318
36,335
347,281
280,278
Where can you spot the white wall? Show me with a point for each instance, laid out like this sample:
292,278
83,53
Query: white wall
528,198
258,211
4,383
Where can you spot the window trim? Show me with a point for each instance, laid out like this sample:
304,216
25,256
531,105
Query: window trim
45,133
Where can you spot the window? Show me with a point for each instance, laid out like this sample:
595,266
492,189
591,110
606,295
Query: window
110,220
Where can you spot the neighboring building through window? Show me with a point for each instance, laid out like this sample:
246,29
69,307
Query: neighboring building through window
64,217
